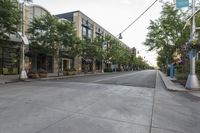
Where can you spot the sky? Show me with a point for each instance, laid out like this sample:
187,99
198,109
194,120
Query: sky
114,16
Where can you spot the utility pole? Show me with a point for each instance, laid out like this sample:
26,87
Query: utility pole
23,74
192,81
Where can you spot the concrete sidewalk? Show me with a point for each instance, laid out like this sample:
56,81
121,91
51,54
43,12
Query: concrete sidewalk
169,85
9,79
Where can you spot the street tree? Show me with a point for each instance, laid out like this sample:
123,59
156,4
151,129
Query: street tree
89,53
69,43
50,35
167,33
9,18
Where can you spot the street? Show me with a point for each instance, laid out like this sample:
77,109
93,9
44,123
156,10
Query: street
124,102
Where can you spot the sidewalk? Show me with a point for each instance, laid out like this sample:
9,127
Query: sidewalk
176,87
9,79
4,79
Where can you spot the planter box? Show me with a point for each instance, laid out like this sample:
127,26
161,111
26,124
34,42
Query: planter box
33,75
69,73
43,75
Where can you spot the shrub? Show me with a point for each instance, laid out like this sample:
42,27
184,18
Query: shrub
32,74
71,71
198,68
181,76
107,70
119,69
42,71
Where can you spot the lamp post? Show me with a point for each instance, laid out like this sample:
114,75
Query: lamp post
23,74
192,80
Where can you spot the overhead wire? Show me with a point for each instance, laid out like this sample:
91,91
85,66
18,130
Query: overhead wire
138,18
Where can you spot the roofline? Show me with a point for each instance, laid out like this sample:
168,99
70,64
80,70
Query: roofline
115,37
36,5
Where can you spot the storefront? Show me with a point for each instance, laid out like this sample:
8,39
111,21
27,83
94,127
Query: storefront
9,58
41,62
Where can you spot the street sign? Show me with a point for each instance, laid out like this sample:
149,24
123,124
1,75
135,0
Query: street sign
182,3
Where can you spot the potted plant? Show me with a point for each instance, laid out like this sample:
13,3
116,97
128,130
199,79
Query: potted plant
71,71
42,73
32,74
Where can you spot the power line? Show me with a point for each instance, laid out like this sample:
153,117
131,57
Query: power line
138,18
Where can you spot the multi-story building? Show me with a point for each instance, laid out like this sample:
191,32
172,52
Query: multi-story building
36,60
9,53
10,60
87,28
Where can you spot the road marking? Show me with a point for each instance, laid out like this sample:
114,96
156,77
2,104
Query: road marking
115,77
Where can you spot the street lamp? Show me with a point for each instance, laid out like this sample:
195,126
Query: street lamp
120,36
23,74
192,80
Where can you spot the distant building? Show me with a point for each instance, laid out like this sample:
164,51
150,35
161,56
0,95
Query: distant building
87,28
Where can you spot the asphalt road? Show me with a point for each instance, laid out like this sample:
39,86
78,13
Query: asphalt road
137,79
130,102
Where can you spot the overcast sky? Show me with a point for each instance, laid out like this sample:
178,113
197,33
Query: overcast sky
115,16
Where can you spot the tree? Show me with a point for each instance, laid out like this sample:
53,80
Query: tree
99,50
44,37
50,35
88,53
69,43
167,33
9,18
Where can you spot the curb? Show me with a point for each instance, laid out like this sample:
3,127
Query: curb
169,85
51,78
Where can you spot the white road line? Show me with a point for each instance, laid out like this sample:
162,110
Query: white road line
115,77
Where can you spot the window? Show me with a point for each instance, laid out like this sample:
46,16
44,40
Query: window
84,22
84,31
87,29
90,33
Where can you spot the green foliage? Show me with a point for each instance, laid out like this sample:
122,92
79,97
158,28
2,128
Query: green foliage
50,35
9,18
182,71
181,76
88,49
44,35
107,70
166,34
198,69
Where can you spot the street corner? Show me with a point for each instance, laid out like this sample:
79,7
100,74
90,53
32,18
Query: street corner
171,86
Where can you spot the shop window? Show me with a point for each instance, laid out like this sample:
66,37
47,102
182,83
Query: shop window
9,61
